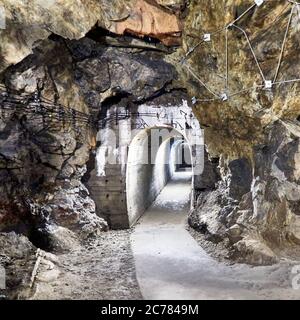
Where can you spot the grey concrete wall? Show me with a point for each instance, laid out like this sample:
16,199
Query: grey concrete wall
144,181
109,194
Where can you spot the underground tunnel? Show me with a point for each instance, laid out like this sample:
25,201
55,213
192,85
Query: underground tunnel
156,155
149,149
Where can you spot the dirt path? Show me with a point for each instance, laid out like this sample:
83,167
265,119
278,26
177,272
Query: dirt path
171,265
103,269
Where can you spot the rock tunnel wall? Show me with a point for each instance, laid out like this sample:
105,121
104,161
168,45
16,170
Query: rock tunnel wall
55,95
248,195
248,181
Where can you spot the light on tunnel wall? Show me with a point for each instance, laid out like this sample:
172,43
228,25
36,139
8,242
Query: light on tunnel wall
173,156
180,156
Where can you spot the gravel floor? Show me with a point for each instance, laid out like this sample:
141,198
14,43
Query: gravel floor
102,269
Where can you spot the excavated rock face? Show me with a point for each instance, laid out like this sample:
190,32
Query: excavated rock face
248,193
43,157
29,22
275,189
17,256
147,19
255,133
242,119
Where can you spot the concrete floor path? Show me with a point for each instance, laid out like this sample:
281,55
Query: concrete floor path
171,265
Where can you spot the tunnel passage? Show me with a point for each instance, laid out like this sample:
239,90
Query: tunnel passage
155,155
111,182
180,157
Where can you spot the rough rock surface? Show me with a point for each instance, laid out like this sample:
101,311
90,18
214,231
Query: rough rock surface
150,20
255,132
101,269
234,126
253,137
43,159
17,257
29,22
263,222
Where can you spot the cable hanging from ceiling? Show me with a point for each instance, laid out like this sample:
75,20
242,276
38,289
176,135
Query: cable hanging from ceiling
267,83
52,115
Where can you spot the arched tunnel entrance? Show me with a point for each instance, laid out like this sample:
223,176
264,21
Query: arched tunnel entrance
137,155
156,156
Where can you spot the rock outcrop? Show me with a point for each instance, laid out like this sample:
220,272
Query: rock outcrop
17,260
254,131
27,23
69,84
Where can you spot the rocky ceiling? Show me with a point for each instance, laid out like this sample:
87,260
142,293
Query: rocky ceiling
28,22
247,114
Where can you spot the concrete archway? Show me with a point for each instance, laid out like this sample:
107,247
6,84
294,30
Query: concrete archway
152,161
107,179
181,156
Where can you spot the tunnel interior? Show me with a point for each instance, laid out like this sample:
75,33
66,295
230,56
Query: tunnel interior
156,156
